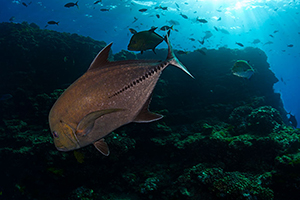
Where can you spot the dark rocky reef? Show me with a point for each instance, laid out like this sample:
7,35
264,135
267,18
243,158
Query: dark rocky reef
222,137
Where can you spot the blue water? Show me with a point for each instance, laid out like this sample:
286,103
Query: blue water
273,21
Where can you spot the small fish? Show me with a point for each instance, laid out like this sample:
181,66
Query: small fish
184,16
96,2
144,40
51,23
222,30
173,22
216,28
71,4
65,59
12,19
242,69
271,36
109,95
143,10
135,19
157,15
201,42
160,7
276,31
177,5
24,4
104,9
132,31
5,97
269,42
208,34
192,39
256,41
204,21
220,18
290,45
166,28
293,120
240,44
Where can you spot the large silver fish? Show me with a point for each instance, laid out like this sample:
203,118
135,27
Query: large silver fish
107,96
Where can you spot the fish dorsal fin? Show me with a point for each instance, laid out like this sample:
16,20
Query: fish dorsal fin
145,115
102,146
102,58
86,125
153,29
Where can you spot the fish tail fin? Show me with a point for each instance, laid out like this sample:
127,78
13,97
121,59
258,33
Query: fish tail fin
172,27
172,58
77,4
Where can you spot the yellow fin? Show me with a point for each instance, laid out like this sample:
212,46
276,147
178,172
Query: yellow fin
79,156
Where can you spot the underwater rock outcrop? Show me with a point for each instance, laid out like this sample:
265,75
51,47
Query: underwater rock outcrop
222,137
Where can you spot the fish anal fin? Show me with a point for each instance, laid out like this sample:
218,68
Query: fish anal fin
102,58
145,115
86,125
102,146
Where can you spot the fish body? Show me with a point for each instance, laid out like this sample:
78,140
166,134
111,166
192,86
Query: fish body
204,21
160,7
71,4
12,19
269,42
240,44
52,22
107,96
256,41
96,2
292,119
241,68
144,40
184,16
104,9
143,10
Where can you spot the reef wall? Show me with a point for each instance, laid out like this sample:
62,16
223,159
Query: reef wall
222,137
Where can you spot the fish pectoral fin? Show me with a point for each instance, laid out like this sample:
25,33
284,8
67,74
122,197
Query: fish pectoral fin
145,115
86,125
102,146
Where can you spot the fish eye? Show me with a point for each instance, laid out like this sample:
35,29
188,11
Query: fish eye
55,134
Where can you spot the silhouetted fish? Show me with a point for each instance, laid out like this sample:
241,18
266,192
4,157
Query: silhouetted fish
143,10
201,20
240,44
107,96
293,120
71,4
144,40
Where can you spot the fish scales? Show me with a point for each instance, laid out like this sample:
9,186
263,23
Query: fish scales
107,96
